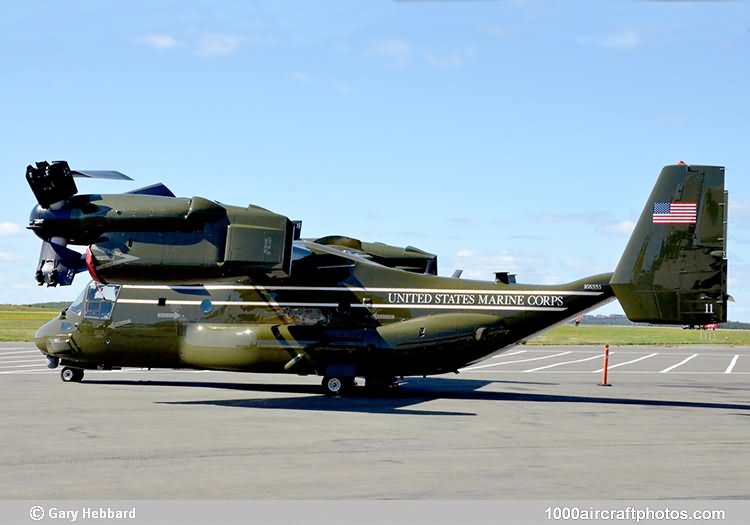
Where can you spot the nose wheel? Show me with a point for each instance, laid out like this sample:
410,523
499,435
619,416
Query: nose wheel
71,375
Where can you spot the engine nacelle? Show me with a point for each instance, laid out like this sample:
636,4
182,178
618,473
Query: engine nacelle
141,238
247,243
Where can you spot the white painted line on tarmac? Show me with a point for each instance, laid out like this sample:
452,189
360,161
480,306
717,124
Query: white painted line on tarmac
610,367
597,356
24,352
517,361
633,372
622,350
678,364
21,360
731,365
17,372
509,354
4,348
3,367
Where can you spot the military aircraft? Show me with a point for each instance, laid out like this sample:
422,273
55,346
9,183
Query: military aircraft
192,283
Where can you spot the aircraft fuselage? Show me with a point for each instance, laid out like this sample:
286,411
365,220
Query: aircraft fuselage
345,315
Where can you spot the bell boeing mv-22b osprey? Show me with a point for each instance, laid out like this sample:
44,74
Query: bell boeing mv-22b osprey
192,283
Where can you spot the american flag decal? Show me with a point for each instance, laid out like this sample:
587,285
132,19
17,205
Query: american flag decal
674,213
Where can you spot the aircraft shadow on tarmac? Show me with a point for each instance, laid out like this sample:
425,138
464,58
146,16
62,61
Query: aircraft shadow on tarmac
415,391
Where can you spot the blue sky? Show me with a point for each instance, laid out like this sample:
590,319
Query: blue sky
507,135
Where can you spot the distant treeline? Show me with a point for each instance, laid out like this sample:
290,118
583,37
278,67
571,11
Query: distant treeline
621,320
59,305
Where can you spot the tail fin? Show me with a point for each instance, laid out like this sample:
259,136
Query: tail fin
674,268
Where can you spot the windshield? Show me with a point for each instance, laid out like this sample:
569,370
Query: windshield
100,300
76,306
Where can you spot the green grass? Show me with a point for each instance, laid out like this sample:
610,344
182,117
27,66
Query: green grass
639,335
18,323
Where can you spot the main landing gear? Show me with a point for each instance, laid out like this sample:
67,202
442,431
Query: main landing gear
71,375
340,385
335,385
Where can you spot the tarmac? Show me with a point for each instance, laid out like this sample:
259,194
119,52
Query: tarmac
532,423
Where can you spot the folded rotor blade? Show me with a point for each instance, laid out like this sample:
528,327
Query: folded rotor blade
100,174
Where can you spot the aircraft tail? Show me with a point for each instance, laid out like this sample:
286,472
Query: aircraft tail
674,268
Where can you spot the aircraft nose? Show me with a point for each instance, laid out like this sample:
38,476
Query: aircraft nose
43,334
48,337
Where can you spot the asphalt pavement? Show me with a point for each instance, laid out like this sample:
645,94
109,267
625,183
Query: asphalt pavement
528,424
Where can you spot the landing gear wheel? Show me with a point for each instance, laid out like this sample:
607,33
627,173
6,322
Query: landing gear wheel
71,375
335,386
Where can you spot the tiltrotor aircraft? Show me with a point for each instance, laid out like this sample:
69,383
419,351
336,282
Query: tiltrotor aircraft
192,283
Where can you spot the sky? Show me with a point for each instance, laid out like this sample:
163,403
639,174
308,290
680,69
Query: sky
508,135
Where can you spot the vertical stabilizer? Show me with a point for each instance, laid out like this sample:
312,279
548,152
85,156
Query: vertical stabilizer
674,268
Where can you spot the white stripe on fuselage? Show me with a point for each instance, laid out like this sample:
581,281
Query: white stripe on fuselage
336,305
353,289
357,289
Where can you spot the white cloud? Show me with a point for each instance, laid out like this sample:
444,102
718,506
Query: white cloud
395,50
738,209
570,217
620,228
478,266
622,40
496,31
399,52
9,257
342,88
551,278
298,76
205,45
626,39
603,221
9,228
159,41
453,58
217,44
529,267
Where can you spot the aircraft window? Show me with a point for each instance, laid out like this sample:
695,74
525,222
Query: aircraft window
100,300
76,306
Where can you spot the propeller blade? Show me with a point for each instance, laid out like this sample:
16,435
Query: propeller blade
158,189
54,182
100,174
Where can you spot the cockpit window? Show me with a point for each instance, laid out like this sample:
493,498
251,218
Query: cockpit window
76,306
100,300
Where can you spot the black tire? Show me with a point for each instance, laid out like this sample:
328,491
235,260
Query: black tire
335,386
71,375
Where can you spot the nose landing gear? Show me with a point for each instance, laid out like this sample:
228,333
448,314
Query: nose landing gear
71,375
